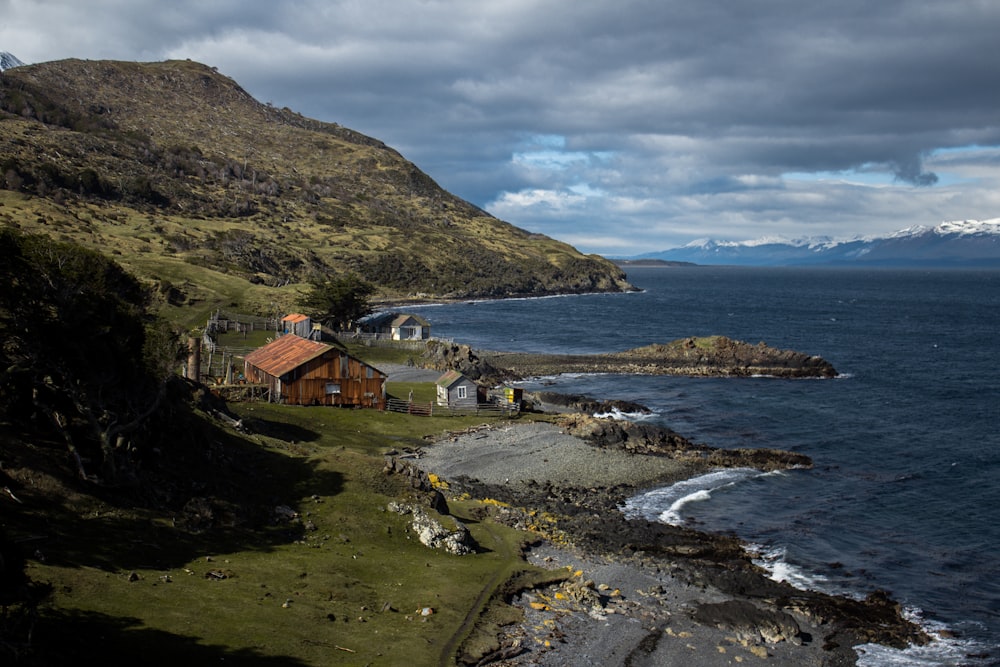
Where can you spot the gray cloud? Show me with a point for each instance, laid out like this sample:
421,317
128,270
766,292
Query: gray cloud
671,120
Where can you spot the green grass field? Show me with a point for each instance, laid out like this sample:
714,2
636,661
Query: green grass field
342,584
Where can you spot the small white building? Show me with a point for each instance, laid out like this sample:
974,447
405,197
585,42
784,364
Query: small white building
457,391
398,326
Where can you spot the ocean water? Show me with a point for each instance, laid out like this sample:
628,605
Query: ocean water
904,494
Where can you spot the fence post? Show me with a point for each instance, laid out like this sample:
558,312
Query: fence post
193,371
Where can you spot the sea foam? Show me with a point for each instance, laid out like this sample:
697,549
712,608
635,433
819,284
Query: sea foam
665,504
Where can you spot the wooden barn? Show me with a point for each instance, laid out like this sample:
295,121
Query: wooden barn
305,372
457,391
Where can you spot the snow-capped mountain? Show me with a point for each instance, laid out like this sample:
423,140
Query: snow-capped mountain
955,243
8,60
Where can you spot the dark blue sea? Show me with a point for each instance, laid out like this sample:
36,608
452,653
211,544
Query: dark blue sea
904,495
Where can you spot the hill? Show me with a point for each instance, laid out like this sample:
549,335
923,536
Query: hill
217,198
970,243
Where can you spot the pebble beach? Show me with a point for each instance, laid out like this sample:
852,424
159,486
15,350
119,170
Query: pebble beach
614,610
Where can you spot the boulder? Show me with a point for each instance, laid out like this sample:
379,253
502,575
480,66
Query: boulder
749,622
432,533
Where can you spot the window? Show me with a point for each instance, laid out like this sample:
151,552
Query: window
332,388
463,392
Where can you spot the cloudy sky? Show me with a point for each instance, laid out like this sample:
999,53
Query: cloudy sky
620,126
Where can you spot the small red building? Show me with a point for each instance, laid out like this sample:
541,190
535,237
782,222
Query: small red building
304,372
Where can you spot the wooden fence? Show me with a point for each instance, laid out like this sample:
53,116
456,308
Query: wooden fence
218,364
380,340
434,410
223,322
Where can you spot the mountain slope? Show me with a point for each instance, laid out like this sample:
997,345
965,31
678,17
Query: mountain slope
193,183
958,243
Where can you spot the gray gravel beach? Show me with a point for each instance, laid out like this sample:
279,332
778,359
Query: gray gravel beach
617,611
537,451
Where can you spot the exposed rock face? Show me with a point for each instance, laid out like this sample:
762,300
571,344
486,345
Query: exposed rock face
432,533
586,404
635,438
444,356
650,439
749,622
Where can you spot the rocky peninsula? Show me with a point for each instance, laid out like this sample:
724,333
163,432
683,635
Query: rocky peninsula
710,356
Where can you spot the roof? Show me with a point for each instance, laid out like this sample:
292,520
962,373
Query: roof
377,319
401,320
391,318
450,378
295,317
284,354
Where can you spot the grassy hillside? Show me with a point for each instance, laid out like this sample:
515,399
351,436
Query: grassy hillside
210,565
217,198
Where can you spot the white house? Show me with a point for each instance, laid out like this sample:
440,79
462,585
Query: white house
398,326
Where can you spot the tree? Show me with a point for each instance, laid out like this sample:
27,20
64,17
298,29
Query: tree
338,302
80,350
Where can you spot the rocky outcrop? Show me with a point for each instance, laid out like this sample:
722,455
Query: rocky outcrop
433,533
632,437
762,607
749,622
445,356
713,356
551,401
650,439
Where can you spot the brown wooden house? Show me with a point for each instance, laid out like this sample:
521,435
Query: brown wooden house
304,372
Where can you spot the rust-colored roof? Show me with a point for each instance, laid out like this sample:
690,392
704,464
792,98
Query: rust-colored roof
284,354
295,317
450,378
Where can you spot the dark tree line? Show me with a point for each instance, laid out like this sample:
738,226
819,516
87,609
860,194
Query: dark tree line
82,358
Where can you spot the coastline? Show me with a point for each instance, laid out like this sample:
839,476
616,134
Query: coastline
641,593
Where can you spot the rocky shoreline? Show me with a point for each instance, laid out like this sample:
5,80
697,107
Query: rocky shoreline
639,592
711,356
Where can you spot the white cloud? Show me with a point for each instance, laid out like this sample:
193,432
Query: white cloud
613,125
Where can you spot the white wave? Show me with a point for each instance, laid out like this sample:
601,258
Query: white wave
649,505
774,560
553,379
673,515
945,650
615,413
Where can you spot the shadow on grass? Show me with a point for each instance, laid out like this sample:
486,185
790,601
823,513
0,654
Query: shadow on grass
74,638
207,490
288,432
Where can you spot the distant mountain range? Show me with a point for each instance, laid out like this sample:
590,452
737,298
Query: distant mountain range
973,243
8,60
